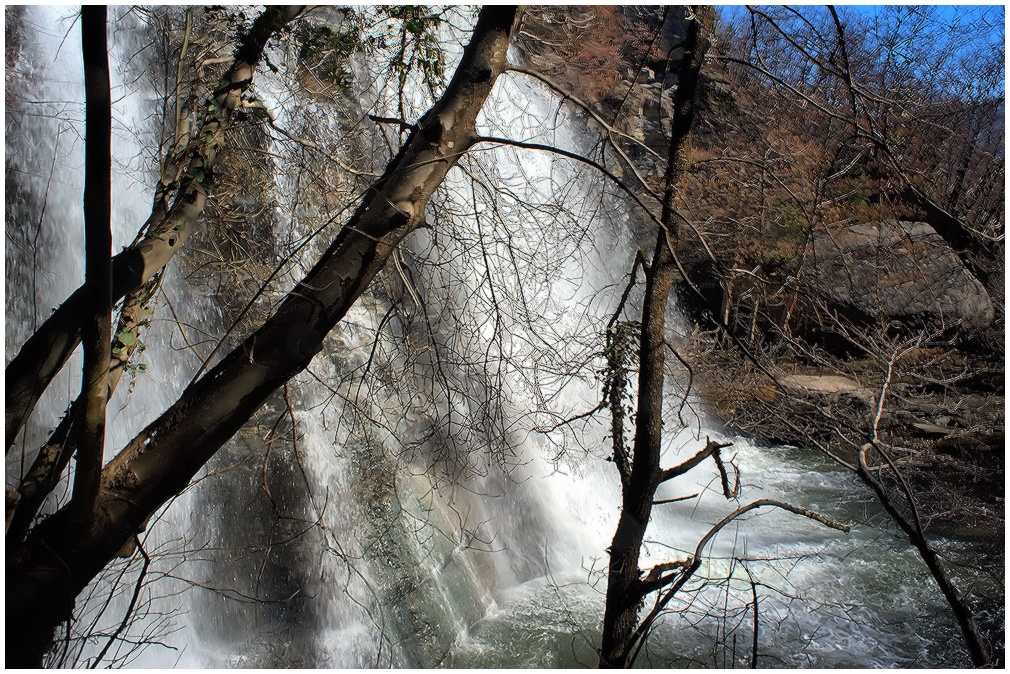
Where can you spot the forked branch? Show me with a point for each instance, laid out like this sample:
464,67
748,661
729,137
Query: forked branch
680,576
711,447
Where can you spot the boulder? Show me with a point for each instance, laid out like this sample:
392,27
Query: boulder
895,269
827,384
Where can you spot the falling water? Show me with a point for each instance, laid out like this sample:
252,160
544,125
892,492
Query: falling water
392,517
43,216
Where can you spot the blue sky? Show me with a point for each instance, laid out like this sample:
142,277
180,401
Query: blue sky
967,33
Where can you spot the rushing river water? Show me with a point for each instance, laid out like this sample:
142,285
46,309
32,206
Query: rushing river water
366,541
826,599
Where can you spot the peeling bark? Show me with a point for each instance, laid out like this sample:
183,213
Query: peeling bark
45,353
54,456
59,559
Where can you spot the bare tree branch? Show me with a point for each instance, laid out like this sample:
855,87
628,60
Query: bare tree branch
43,355
680,578
981,655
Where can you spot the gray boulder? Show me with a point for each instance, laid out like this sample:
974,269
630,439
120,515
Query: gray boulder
894,269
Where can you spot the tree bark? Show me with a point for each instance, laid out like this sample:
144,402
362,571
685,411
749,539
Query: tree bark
97,329
45,353
624,585
53,457
59,559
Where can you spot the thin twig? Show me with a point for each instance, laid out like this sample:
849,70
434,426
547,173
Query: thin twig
133,602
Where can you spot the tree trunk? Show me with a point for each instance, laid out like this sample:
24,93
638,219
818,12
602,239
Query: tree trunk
54,456
58,559
45,353
625,589
977,253
97,330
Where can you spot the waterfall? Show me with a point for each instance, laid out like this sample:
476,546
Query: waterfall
420,503
44,223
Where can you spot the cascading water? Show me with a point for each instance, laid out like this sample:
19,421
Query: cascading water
415,505
43,196
45,234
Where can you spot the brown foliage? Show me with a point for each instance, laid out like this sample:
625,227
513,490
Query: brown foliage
594,47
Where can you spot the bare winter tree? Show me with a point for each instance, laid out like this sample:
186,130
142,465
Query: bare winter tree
846,320
868,124
450,305
60,556
178,204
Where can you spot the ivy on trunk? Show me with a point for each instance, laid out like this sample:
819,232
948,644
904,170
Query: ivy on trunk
58,558
625,586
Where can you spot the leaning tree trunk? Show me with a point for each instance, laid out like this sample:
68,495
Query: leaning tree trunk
57,559
45,353
625,588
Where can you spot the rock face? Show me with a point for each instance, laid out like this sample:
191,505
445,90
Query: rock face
895,269
638,97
